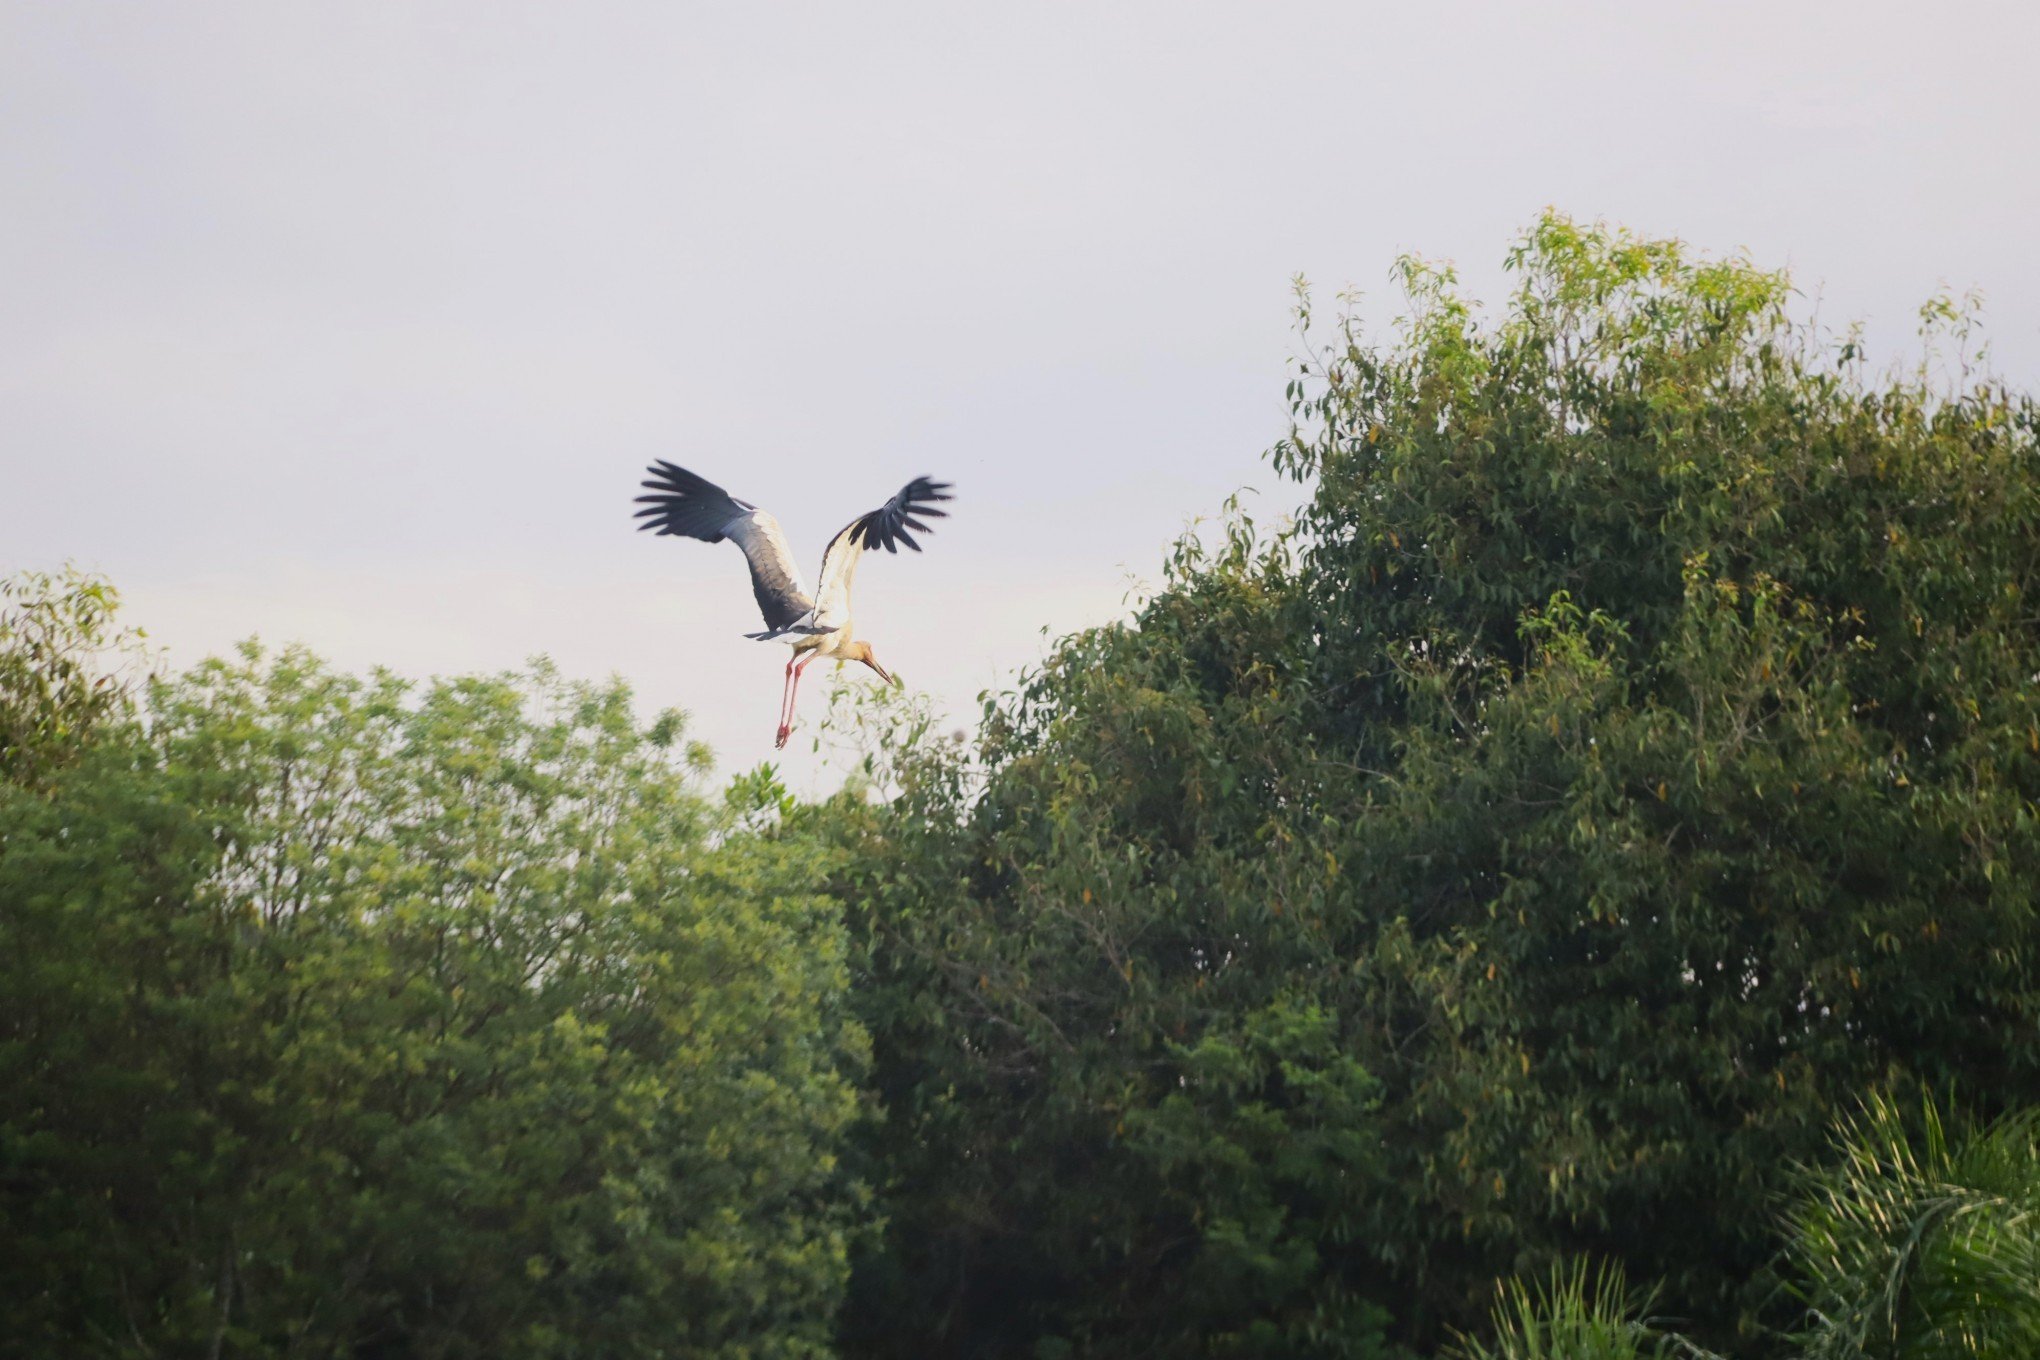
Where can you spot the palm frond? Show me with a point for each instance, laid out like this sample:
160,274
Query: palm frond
1581,1311
1918,1245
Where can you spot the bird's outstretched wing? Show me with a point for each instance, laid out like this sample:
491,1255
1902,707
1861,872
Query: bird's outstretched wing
694,507
887,527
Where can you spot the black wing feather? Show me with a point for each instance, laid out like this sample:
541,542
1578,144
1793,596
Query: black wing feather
886,527
691,506
682,503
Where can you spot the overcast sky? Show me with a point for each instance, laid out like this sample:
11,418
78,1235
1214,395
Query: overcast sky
354,323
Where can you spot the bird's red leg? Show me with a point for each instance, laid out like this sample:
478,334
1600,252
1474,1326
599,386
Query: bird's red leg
792,693
785,705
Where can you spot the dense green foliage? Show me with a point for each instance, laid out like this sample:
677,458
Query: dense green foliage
340,1020
1913,1242
1627,762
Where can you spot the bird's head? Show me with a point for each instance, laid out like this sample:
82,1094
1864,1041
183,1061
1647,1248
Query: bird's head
861,651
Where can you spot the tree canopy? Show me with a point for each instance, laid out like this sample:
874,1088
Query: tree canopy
1627,760
343,1019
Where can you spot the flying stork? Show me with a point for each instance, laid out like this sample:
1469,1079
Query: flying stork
813,625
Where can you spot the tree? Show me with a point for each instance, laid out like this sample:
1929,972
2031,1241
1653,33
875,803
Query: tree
342,1019
56,636
1628,758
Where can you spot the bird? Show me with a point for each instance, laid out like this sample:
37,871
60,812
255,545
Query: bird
819,624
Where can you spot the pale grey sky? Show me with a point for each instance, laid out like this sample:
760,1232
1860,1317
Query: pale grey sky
354,323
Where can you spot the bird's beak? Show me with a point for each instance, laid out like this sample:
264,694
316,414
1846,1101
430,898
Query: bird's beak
883,673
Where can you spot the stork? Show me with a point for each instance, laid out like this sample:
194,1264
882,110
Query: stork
813,625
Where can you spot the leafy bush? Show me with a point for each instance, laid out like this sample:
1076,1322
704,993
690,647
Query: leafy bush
1579,1312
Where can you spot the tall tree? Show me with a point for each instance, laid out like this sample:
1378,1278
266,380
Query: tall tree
1629,758
343,1019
